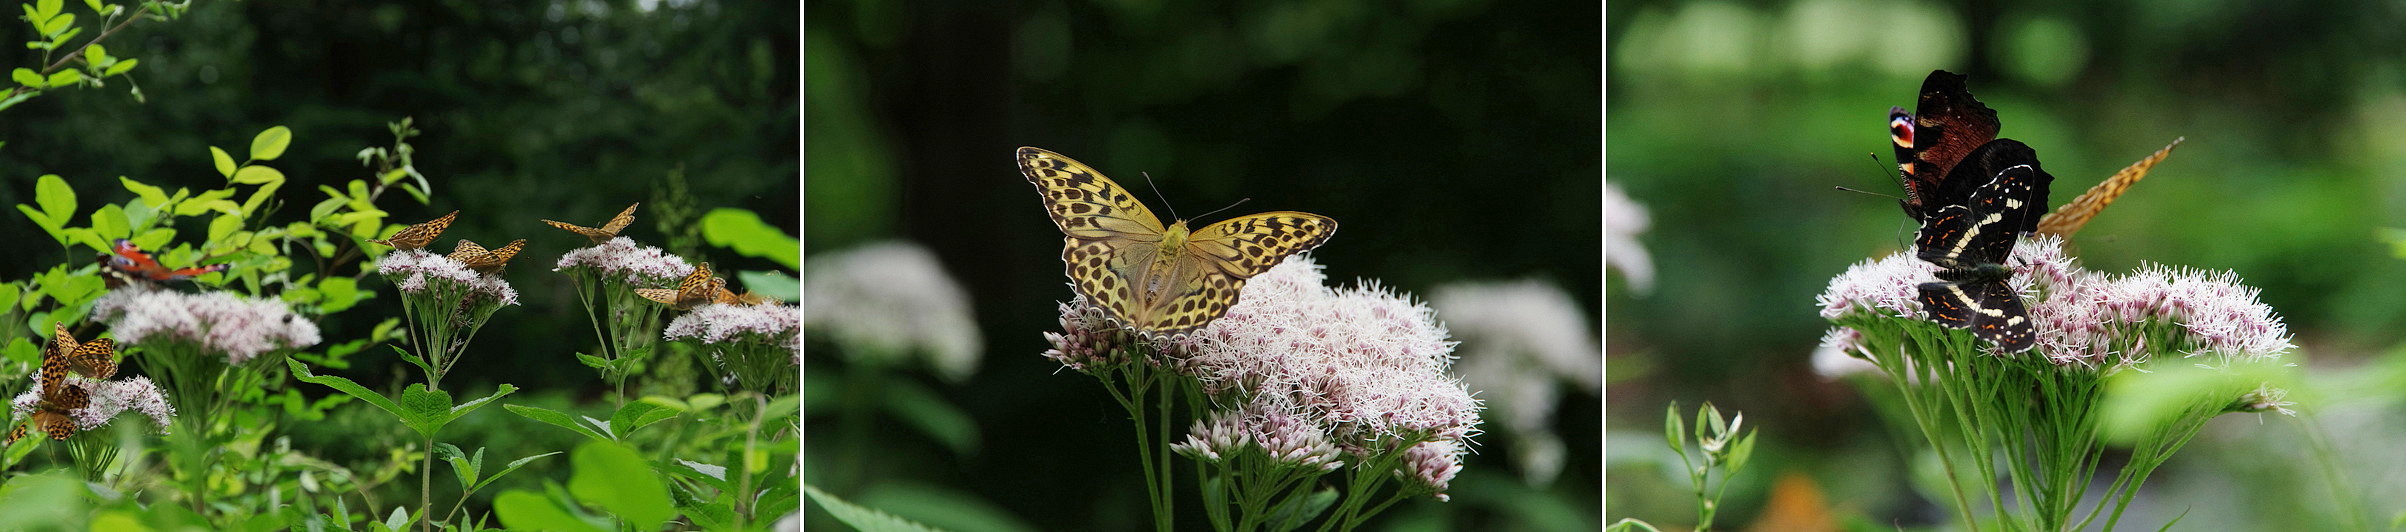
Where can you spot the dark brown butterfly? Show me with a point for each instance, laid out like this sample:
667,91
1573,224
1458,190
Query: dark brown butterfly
418,236
94,359
698,288
485,260
607,231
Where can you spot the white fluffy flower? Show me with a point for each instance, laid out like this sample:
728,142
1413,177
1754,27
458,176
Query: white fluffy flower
718,323
221,322
109,398
1520,341
621,259
893,299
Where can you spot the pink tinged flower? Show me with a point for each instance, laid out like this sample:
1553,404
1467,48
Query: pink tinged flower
1215,440
240,327
621,259
894,299
1885,285
1432,465
108,399
715,323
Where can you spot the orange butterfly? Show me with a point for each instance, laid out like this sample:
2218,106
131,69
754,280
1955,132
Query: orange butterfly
94,359
128,264
418,236
697,288
607,231
483,260
729,297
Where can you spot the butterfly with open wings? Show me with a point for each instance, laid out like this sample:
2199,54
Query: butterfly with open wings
95,359
127,264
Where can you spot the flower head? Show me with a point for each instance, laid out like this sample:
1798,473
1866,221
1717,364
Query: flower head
1841,354
1520,342
238,326
418,271
720,323
621,259
893,300
1623,221
108,399
1431,465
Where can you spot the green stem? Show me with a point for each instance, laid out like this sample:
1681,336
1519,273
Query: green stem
426,489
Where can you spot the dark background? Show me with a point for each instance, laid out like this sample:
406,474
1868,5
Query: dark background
1452,140
1730,122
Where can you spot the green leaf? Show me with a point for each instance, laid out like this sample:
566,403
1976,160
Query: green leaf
258,175
224,225
593,361
150,195
259,197
425,411
466,469
922,409
526,510
64,78
639,414
772,284
120,67
270,144
399,520
48,8
341,293
96,8
301,371
554,417
224,162
59,24
27,77
55,197
744,232
1295,511
938,507
618,480
1674,431
867,520
506,470
110,223
95,54
43,221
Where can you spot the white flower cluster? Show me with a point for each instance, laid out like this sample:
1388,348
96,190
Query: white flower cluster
240,327
420,270
893,299
621,259
109,398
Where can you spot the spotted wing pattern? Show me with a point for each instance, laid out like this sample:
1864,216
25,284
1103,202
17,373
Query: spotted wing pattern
1972,240
1153,278
696,289
1946,125
2071,216
486,260
607,231
418,236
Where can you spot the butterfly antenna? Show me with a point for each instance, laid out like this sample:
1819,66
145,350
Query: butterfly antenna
1889,171
1861,191
1165,200
1230,206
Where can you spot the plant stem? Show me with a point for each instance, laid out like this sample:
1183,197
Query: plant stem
426,489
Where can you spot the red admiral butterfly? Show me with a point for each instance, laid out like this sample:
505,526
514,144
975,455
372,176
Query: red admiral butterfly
128,264
1973,194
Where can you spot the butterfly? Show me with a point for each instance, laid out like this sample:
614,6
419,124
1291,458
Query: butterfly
1971,241
1946,126
607,231
729,297
698,288
1165,280
94,359
418,236
2072,215
128,264
483,260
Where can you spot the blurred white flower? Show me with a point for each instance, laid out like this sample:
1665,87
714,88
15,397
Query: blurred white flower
222,322
621,259
1841,354
1623,221
893,300
1520,341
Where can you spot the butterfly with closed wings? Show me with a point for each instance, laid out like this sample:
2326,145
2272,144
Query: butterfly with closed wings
607,231
94,359
418,236
485,260
1157,279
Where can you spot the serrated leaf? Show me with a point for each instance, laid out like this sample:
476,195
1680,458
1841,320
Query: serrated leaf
270,144
425,410
224,161
865,519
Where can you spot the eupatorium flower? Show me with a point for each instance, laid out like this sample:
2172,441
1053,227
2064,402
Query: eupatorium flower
894,300
220,322
1431,465
419,270
109,398
2088,318
754,346
1282,437
621,259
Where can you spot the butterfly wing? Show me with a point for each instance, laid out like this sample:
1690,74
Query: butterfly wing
621,221
418,236
95,359
504,253
662,295
578,229
473,255
1084,203
1245,246
1946,125
2069,218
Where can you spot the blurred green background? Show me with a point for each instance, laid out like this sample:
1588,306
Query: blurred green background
1730,122
561,110
1453,140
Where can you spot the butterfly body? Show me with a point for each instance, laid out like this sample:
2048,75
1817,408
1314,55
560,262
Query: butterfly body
94,359
419,235
485,260
698,288
128,264
1970,241
1164,279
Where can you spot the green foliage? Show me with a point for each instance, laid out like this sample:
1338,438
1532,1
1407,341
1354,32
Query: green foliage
865,519
610,477
422,410
744,232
